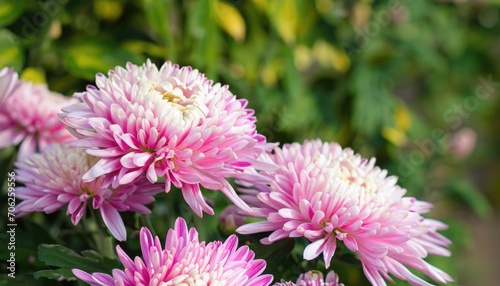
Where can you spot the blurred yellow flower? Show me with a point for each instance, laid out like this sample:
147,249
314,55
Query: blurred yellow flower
144,47
402,116
324,6
230,20
328,56
33,75
397,135
393,135
270,73
285,14
302,57
9,54
361,15
109,10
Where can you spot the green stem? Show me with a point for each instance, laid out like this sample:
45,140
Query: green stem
99,236
146,221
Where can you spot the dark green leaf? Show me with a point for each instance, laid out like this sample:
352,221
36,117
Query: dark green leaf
9,11
58,274
60,256
372,106
90,56
10,49
471,196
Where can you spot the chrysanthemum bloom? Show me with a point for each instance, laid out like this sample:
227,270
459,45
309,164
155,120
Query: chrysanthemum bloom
184,261
313,278
53,179
328,195
172,123
8,82
28,114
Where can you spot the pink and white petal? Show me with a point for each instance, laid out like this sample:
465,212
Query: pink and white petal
97,279
194,198
113,221
314,249
28,147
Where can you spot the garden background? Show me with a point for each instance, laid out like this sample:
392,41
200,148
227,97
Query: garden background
414,83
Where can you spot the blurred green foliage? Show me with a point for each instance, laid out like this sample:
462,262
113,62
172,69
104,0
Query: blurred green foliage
399,80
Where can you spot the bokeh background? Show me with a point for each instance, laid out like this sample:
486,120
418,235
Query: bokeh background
414,83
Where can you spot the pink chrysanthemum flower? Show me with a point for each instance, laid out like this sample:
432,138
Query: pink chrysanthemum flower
53,179
28,114
172,123
328,195
313,278
184,261
8,82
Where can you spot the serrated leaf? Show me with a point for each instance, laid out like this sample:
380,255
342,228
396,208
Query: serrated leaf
58,274
88,57
60,256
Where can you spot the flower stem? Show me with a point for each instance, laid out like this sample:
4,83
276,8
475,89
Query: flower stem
98,235
146,221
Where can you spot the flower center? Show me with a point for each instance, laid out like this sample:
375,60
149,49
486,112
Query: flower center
177,98
352,175
184,99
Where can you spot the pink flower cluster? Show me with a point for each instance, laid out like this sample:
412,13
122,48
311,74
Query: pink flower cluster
313,278
28,114
328,195
53,179
184,261
141,124
170,122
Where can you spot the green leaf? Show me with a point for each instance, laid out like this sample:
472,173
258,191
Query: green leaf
372,106
202,25
60,256
157,14
90,56
471,196
10,49
9,12
58,274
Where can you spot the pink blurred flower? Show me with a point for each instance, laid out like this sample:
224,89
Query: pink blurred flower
28,114
230,219
313,278
184,261
328,195
463,142
172,123
53,179
8,82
